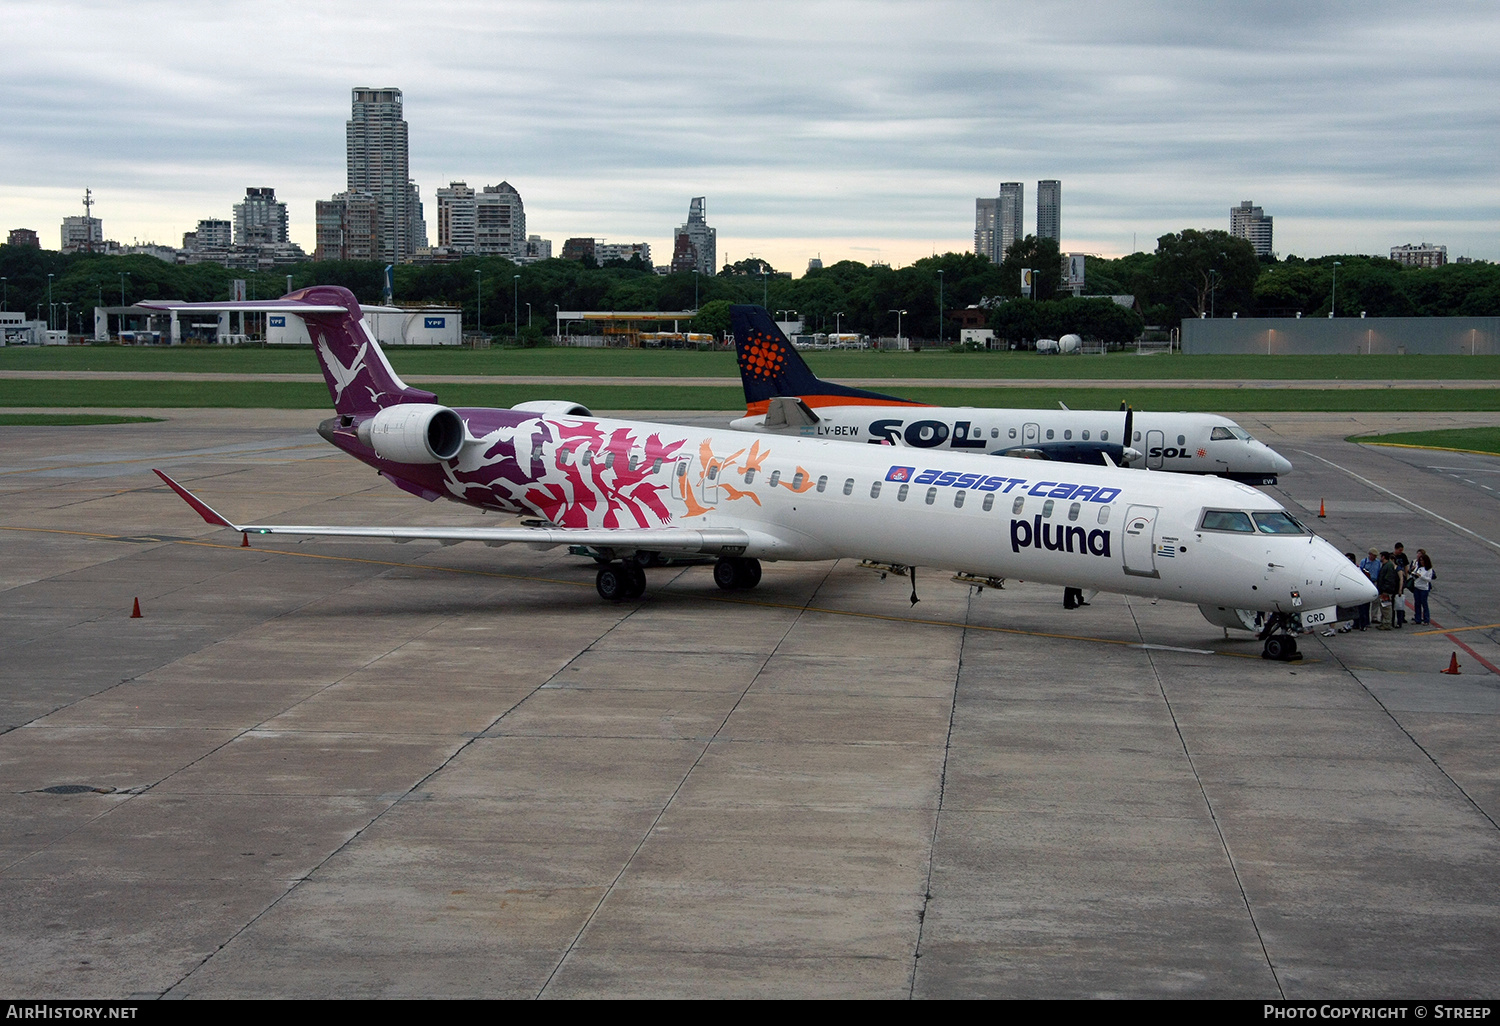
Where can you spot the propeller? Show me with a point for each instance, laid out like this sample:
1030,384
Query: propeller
1127,453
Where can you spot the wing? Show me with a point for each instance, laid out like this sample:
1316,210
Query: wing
707,541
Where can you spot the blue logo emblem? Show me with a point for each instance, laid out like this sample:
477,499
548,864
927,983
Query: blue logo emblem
278,321
900,473
434,322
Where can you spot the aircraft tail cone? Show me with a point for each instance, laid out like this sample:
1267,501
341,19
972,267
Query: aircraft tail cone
1452,665
244,540
135,611
1321,511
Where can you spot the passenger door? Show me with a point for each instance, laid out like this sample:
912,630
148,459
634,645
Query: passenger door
1155,442
1140,541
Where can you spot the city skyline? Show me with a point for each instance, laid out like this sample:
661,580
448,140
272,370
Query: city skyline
1157,120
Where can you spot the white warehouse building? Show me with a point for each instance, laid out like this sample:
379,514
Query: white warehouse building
391,326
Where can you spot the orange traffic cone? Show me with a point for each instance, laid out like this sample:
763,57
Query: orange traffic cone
245,540
1452,665
1321,511
135,612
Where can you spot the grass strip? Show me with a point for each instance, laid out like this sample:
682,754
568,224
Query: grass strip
1478,440
126,393
837,364
69,419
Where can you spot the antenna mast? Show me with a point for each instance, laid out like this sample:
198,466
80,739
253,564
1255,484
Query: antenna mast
88,218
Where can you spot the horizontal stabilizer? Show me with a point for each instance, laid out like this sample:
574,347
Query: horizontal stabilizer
787,411
291,306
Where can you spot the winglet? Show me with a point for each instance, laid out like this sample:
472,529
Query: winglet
203,509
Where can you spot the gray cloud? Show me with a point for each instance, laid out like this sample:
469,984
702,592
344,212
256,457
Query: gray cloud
1355,125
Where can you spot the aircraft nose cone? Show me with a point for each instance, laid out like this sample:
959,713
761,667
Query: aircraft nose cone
1279,463
1354,588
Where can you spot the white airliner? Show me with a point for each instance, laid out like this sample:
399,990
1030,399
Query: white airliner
630,490
783,396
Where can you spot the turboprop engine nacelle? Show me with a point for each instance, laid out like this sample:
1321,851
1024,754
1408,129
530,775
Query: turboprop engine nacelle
414,433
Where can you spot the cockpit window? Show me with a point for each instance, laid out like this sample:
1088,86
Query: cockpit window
1226,520
1278,523
1221,434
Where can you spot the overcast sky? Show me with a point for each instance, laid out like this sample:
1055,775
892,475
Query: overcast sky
855,130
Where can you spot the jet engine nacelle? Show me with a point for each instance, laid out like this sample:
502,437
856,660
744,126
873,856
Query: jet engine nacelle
554,408
414,433
1224,616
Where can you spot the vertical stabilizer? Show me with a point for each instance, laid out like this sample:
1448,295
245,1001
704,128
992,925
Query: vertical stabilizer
771,367
359,377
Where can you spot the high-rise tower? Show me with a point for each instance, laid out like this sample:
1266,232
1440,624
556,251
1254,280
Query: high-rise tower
984,227
1250,223
1049,209
1009,217
695,245
378,165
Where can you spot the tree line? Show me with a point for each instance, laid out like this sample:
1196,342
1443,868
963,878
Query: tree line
1190,273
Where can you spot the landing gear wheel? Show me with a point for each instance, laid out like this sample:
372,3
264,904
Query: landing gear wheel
637,580
733,573
1281,647
613,583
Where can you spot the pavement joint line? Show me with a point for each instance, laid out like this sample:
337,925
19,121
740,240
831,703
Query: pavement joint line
1213,815
1401,498
651,828
937,815
1434,448
1455,630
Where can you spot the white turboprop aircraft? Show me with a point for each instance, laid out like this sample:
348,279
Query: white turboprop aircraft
630,490
783,396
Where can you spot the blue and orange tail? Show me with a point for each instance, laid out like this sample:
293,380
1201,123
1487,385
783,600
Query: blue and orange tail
771,367
359,377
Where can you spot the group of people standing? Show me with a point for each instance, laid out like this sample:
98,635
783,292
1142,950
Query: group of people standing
1393,573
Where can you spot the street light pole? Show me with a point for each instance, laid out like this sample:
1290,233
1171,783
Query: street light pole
123,276
5,296
528,315
695,290
898,314
838,322
940,307
1333,300
49,302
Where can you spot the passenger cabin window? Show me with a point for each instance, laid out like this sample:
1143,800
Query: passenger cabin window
1103,515
849,487
1277,523
931,495
682,469
1103,436
1012,432
585,458
563,456
822,482
632,463
1047,509
536,450
1085,434
1049,434
1074,510
656,466
1137,436
901,493
1068,435
713,472
749,477
797,480
989,501
958,499
995,432
1017,506
875,490
1221,434
1181,439
775,477
1226,520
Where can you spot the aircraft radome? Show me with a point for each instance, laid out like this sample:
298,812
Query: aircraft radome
629,490
782,395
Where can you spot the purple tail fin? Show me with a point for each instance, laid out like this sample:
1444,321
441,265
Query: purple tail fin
359,378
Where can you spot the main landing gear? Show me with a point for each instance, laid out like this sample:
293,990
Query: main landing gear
733,573
1280,643
618,582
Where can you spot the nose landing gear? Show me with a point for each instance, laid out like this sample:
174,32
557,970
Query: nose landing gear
1280,643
